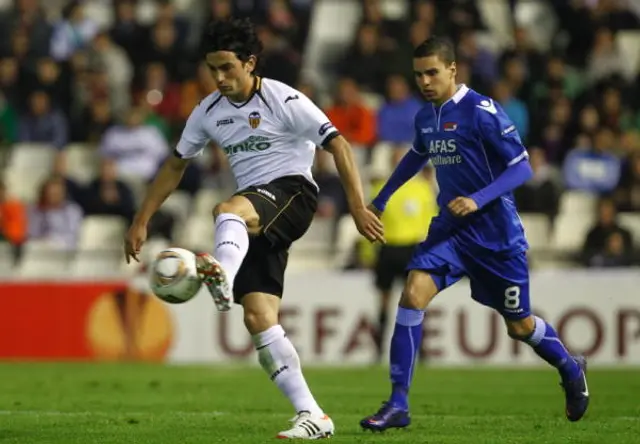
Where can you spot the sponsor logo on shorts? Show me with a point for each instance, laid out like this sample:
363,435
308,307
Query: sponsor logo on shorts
324,128
224,122
264,192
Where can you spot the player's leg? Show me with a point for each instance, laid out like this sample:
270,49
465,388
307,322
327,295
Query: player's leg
235,219
430,272
504,285
384,277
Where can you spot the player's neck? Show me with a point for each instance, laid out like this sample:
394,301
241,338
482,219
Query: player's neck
452,91
247,92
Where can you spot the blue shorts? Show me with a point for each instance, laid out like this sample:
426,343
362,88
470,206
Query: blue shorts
501,283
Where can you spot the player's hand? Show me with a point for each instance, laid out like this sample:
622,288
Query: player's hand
462,206
369,224
133,241
374,210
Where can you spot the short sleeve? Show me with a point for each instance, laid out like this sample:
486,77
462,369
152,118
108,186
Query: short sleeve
499,132
418,143
193,138
307,120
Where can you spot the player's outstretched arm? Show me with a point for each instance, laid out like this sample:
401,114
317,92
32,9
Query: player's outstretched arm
409,166
368,223
162,186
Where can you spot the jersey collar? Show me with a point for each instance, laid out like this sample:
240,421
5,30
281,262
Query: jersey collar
257,85
460,93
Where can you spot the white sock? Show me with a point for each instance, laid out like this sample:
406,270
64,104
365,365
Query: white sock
232,243
279,359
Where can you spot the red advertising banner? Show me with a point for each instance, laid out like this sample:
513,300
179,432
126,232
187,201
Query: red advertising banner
82,321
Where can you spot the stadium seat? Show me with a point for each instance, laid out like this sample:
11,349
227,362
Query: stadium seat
6,259
537,230
82,162
570,231
631,221
496,15
38,265
196,234
380,159
97,264
578,203
347,236
628,43
206,199
317,238
25,186
178,204
29,156
101,232
395,9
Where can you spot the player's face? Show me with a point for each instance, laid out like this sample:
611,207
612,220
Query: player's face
435,79
232,76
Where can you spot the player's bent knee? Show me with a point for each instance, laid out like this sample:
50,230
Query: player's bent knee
419,290
258,321
521,329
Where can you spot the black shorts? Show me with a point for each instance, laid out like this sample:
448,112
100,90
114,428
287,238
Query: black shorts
392,264
286,208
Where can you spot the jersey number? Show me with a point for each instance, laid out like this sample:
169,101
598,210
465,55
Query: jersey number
512,297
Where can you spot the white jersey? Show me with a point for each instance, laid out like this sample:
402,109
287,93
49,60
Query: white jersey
271,135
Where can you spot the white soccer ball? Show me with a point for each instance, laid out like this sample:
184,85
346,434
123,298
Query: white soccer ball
174,277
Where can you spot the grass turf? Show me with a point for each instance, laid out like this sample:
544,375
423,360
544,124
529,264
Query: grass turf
134,403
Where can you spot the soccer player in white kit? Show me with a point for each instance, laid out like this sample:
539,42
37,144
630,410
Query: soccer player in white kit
269,131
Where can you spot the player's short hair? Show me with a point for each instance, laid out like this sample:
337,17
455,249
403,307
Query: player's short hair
235,35
436,46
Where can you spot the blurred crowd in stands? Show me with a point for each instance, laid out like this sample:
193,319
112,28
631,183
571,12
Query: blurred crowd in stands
127,89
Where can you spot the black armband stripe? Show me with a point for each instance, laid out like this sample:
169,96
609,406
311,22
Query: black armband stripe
330,137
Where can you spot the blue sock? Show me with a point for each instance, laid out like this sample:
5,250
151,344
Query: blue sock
405,343
545,342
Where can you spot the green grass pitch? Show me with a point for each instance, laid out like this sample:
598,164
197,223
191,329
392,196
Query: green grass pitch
135,403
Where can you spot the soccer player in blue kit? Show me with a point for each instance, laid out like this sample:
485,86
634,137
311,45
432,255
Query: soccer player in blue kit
479,160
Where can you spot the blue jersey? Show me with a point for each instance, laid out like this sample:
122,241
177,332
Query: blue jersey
470,141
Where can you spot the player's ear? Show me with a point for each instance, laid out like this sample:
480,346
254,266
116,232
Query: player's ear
250,64
453,69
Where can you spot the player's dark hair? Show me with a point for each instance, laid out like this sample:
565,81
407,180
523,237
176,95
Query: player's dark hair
436,46
235,35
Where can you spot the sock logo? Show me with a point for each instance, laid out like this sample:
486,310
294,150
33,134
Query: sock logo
228,243
277,372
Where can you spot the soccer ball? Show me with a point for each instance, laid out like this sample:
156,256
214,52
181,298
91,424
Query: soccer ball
174,277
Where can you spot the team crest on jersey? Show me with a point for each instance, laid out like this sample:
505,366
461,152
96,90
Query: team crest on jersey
254,119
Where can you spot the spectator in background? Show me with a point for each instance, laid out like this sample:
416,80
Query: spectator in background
43,124
355,121
49,77
607,243
21,51
28,16
54,218
331,198
136,149
614,114
558,72
282,20
366,62
160,93
516,77
595,170
164,49
604,60
93,122
13,218
194,90
9,86
396,116
8,122
278,60
105,55
628,191
167,12
514,107
126,32
541,194
391,31
482,61
106,195
73,32
525,53
74,192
